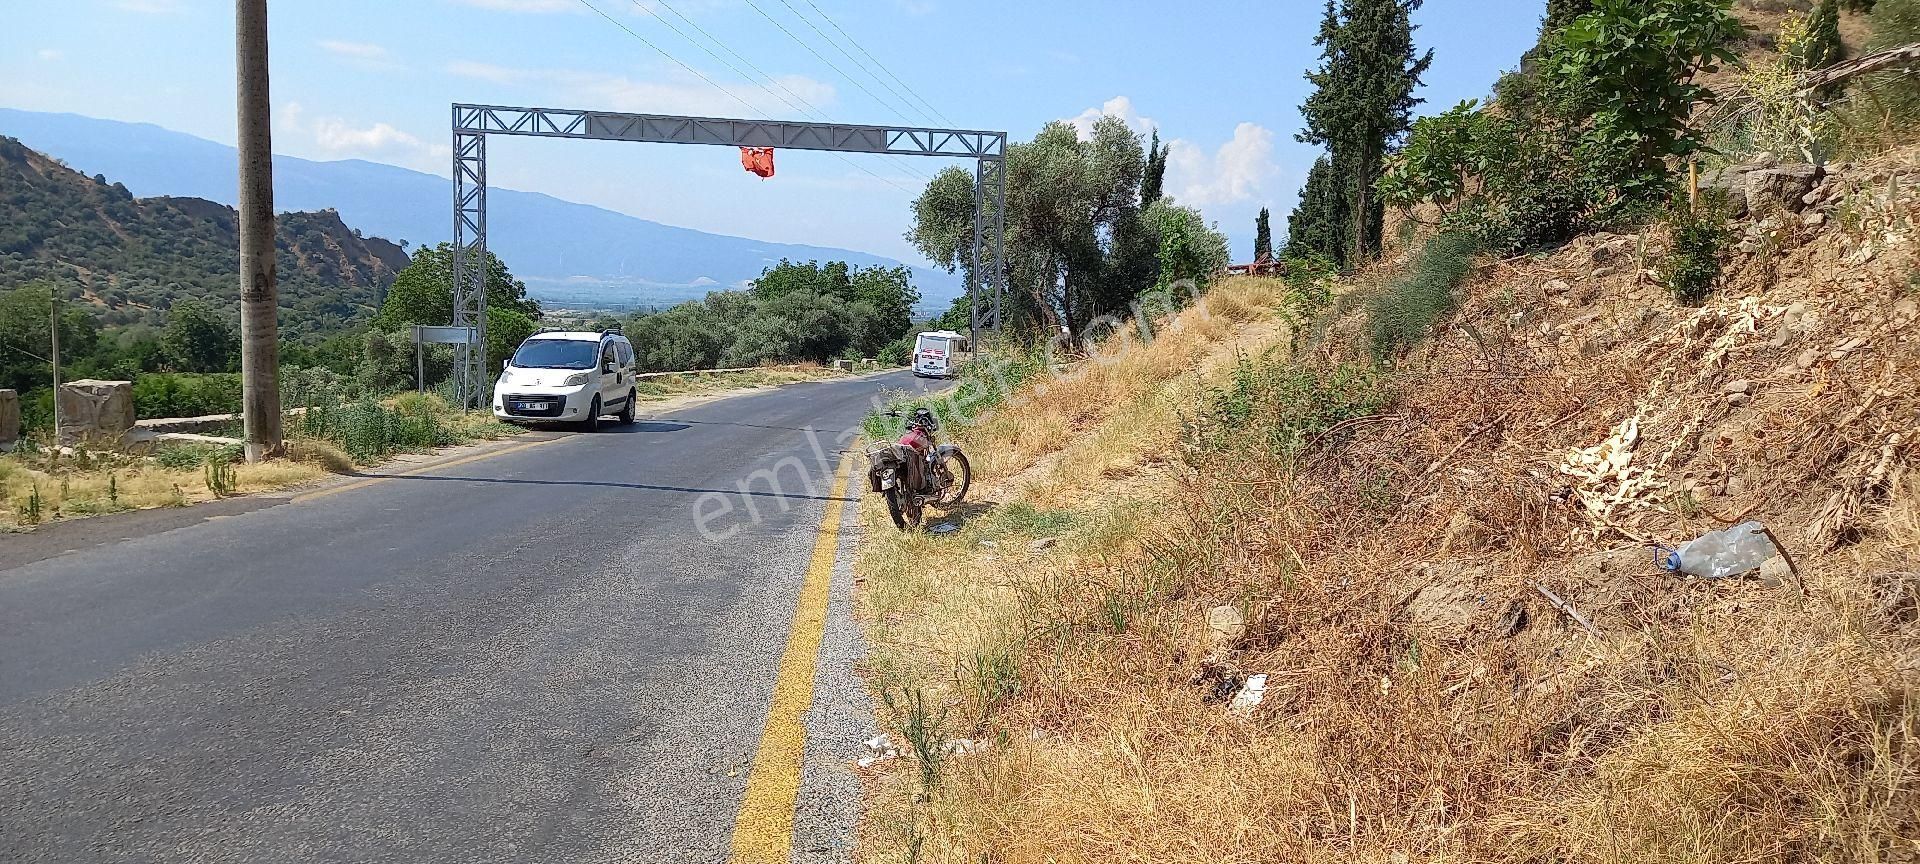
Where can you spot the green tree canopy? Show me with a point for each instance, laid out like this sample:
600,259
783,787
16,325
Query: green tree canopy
199,339
1317,226
1628,68
26,336
1362,103
1153,182
801,325
423,292
1262,235
1191,251
1076,246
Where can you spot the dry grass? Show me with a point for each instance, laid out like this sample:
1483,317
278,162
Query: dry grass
672,386
1424,701
95,484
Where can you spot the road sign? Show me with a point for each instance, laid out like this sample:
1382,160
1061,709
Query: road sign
423,334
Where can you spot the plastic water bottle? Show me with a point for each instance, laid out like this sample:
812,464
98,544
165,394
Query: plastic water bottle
1720,554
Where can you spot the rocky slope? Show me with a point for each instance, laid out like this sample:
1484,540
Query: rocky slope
1448,597
134,257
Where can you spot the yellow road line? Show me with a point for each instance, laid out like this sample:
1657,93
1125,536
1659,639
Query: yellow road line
763,831
362,484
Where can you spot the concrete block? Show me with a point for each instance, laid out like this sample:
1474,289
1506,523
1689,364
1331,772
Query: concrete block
9,420
95,412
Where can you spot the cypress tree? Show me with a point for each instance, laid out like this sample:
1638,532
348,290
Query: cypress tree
1154,179
1362,103
1560,13
1317,224
1262,236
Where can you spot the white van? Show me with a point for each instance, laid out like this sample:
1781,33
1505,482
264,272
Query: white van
937,353
568,377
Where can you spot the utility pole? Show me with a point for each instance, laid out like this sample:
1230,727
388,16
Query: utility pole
53,331
259,289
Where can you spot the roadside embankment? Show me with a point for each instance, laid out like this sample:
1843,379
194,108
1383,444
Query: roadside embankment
1236,595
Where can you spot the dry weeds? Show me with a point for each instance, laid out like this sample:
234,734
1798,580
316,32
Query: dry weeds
1425,702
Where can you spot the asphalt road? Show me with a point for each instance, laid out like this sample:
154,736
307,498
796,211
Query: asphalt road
564,652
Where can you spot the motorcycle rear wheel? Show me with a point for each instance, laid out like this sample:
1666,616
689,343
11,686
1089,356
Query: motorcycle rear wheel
900,510
961,473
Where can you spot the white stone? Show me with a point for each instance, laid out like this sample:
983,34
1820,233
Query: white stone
1226,623
1775,571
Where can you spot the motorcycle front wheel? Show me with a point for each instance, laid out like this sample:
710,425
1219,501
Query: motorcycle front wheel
959,479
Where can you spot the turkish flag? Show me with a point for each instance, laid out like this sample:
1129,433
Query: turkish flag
757,160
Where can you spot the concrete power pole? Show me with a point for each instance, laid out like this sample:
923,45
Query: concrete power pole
259,288
53,335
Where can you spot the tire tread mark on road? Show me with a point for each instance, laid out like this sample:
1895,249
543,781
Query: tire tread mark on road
763,830
330,491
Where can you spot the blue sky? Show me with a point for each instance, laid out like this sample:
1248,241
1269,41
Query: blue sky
372,79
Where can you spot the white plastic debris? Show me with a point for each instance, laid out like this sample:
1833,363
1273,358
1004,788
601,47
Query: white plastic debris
879,749
943,528
964,747
1250,694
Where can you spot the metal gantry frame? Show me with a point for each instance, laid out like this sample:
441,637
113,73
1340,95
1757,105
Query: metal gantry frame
473,123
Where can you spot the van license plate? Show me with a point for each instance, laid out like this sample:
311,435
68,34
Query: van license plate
526,406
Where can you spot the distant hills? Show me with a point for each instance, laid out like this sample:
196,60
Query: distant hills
548,242
133,258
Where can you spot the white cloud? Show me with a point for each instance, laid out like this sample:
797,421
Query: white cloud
1118,106
338,138
1238,171
363,55
150,7
680,95
358,50
50,55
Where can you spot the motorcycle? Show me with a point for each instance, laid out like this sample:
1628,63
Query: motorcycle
918,471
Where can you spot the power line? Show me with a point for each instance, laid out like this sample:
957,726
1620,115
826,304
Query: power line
883,67
717,86
664,53
830,64
856,61
810,107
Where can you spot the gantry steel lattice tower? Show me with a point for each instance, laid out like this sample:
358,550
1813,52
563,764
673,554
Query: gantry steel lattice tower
473,123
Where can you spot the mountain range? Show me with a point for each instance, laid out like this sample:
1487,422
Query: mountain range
568,253
133,259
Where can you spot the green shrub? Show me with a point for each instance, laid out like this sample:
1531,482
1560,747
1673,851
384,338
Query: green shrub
982,386
1309,281
899,352
195,455
1699,234
368,430
1407,308
185,394
1282,408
